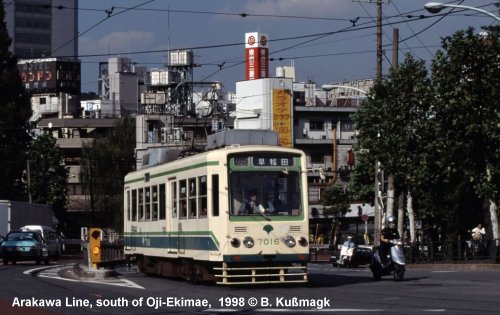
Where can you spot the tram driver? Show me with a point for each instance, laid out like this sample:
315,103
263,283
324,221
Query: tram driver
250,206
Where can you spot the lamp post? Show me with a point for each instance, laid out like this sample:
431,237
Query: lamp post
436,7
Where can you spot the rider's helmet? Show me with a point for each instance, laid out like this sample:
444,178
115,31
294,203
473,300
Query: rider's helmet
349,237
391,220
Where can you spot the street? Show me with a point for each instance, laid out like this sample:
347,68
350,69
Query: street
32,289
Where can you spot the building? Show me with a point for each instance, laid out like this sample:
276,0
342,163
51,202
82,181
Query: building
42,28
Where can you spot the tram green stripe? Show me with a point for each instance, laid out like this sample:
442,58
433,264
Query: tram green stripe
174,171
175,233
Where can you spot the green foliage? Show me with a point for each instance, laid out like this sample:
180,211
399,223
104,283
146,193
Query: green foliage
48,177
390,125
362,178
336,200
439,136
105,162
15,110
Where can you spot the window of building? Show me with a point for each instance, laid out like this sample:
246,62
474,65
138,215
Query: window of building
346,126
316,125
317,157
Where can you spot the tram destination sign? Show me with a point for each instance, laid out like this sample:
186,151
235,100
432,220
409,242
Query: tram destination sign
272,161
263,161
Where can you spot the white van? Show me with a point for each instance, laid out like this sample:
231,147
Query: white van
54,242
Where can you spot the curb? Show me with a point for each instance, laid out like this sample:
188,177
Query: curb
83,271
454,267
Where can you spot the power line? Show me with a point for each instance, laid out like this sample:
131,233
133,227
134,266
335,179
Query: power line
110,14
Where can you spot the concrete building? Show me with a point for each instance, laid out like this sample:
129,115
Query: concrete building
42,28
319,124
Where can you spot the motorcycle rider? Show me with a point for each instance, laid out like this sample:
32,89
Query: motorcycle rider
388,233
349,243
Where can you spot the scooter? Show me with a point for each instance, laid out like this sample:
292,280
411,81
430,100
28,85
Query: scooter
394,264
346,256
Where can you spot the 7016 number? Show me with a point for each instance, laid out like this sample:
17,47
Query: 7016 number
268,241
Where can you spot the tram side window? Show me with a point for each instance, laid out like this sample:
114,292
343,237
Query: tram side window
141,204
148,203
134,205
215,195
192,198
155,203
202,195
182,199
162,202
173,187
128,205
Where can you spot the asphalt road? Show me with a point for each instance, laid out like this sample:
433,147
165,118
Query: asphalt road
330,290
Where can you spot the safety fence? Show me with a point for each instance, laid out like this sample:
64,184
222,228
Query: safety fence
456,251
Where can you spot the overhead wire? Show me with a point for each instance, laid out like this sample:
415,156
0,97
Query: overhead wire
110,14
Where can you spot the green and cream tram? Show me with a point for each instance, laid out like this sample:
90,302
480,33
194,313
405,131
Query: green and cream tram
186,218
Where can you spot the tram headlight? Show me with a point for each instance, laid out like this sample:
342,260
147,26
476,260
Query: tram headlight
303,241
235,242
290,241
248,242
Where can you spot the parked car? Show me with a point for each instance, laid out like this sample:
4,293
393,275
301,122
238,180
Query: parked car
54,241
1,241
23,246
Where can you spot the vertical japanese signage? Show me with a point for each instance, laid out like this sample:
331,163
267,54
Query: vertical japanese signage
282,117
256,56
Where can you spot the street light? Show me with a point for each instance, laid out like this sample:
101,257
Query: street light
436,7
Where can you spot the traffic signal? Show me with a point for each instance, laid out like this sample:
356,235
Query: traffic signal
95,249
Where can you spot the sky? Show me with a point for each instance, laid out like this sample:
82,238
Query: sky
328,41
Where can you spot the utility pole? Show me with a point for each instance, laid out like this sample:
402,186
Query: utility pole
377,224
379,39
377,211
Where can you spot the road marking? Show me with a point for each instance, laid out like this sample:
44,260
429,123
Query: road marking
53,272
314,310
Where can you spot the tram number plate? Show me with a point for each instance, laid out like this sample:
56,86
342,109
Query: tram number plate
268,241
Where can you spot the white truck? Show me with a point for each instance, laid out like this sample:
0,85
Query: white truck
15,214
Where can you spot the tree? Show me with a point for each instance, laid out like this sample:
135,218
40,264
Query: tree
15,110
104,165
336,201
48,178
390,124
466,112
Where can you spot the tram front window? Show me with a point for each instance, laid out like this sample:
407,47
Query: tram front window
268,193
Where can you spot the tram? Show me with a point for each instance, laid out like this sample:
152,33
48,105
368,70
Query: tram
186,218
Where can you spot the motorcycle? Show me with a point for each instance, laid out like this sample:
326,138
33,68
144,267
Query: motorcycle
394,264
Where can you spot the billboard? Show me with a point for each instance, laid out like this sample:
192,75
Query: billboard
256,56
50,75
282,116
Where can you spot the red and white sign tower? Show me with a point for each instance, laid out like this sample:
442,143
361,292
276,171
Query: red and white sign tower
256,52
